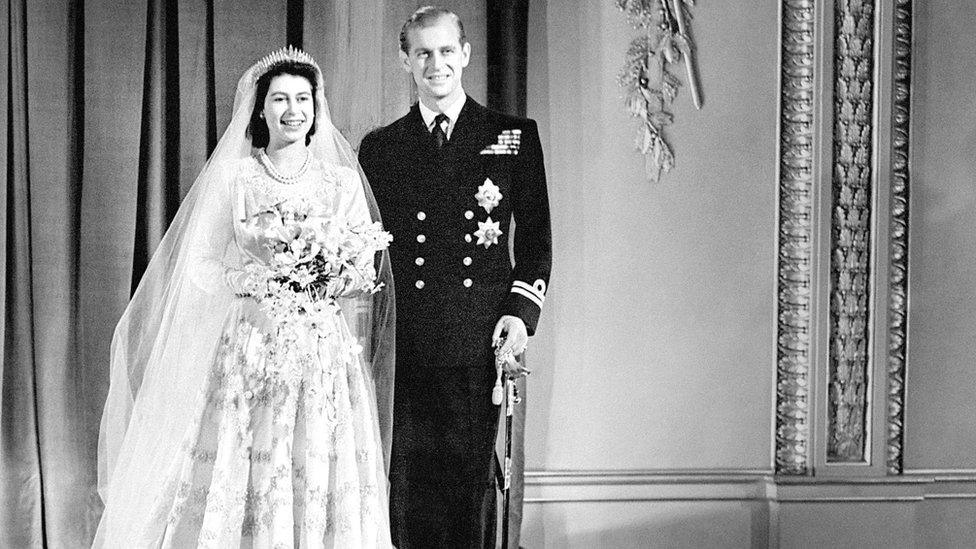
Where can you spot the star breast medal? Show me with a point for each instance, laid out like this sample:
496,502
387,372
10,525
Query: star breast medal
488,233
489,195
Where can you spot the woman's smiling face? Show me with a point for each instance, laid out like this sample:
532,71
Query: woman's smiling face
289,110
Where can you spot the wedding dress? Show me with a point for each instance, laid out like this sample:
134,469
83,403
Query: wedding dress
221,429
284,450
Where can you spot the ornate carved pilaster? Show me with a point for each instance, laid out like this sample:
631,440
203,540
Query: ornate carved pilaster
898,234
850,231
795,238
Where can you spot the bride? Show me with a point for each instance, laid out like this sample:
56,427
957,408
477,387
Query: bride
224,427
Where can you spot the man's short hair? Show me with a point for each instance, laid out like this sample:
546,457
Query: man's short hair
425,17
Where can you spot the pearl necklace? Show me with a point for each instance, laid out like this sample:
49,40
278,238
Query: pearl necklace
278,176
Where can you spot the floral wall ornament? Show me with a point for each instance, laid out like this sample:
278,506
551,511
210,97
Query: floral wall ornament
649,85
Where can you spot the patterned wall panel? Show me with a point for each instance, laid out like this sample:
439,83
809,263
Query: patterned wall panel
898,239
795,238
848,384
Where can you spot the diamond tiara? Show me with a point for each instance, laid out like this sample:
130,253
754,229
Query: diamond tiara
284,54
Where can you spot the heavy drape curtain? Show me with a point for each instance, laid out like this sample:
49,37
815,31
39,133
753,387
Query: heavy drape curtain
109,109
506,52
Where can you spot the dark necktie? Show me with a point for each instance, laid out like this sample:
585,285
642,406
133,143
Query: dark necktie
440,137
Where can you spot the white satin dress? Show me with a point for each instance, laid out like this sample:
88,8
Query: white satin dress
285,450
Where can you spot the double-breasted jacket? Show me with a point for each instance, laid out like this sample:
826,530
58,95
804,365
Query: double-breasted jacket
450,211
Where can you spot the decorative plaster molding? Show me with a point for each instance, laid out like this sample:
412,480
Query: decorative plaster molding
650,87
795,238
849,382
898,236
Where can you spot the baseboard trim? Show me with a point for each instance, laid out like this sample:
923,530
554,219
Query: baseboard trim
644,476
949,473
951,496
853,499
535,500
688,485
738,486
552,473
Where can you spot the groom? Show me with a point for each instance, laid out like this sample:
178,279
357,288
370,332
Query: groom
449,177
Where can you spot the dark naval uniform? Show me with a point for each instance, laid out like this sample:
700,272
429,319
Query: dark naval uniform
445,207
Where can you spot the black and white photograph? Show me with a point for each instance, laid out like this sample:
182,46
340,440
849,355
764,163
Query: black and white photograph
488,274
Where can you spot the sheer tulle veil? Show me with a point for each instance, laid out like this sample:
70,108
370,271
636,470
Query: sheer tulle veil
166,338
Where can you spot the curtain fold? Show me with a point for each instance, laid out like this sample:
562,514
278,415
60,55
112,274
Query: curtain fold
113,66
22,509
108,116
158,195
197,93
356,44
110,108
242,35
54,136
507,54
295,24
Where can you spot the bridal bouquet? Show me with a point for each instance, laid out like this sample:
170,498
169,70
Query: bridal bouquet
315,258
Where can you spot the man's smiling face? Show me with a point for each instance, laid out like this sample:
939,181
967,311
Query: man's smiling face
436,60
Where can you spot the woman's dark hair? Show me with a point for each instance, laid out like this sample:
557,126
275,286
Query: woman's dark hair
258,128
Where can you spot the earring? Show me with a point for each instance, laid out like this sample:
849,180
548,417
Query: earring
261,116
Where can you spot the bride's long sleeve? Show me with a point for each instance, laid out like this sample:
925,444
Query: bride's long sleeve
213,267
352,201
352,205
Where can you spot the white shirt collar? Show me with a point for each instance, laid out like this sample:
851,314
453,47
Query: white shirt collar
452,111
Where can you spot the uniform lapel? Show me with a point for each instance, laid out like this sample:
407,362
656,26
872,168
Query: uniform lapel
471,134
415,132
459,160
470,130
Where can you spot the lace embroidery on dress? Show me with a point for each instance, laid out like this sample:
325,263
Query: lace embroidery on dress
284,447
320,182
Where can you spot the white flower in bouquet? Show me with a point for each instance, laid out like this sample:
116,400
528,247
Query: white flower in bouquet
315,259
